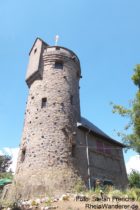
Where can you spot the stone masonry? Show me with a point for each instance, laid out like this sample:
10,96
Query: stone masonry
45,164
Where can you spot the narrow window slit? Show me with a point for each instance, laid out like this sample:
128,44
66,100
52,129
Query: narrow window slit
23,154
44,102
73,150
71,99
35,50
57,48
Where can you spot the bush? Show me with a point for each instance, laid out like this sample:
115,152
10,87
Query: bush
9,204
15,206
134,193
79,186
5,161
134,179
116,193
7,175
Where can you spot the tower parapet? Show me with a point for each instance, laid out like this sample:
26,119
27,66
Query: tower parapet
50,53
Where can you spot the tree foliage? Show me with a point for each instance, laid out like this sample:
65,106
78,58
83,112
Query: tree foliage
134,179
5,161
136,75
132,140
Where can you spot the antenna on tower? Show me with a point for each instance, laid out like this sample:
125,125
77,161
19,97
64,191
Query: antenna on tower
56,39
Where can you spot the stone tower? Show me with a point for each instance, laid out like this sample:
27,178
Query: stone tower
45,162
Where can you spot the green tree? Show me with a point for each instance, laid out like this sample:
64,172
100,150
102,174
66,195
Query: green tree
132,140
5,161
134,179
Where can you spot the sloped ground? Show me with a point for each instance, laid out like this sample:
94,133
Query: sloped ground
82,205
77,202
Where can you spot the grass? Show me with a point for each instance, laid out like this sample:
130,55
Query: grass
108,191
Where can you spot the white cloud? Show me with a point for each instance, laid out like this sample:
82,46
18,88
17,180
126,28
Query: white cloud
13,152
133,163
1,152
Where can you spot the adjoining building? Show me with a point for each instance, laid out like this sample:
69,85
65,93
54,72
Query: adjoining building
58,146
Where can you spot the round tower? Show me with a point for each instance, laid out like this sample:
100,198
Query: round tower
45,161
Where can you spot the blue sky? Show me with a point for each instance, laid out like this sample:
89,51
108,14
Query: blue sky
104,34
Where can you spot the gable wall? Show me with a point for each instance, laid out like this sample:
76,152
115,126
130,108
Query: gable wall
103,164
34,61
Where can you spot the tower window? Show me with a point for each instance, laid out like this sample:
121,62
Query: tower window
71,99
35,50
23,153
73,151
57,48
58,65
44,102
107,149
100,146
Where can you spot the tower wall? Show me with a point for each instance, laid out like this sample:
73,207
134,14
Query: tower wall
45,163
34,61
